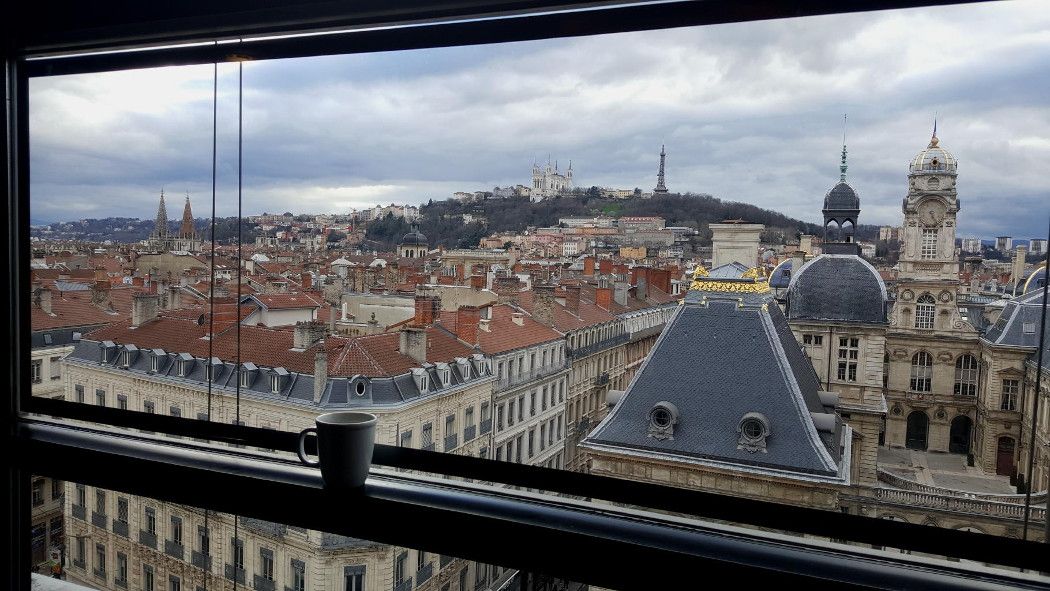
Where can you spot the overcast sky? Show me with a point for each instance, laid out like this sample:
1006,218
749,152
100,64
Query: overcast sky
749,112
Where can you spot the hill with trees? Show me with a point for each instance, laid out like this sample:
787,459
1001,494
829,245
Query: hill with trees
441,221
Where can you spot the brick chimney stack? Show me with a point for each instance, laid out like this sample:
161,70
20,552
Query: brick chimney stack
603,297
543,304
467,320
43,299
428,309
588,266
572,298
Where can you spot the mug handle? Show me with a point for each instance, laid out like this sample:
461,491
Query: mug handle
302,447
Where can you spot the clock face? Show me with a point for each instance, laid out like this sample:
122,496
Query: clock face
931,213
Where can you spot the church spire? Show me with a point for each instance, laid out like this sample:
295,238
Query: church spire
187,230
660,186
162,217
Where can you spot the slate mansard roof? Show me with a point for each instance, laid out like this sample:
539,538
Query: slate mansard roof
1018,325
837,287
722,356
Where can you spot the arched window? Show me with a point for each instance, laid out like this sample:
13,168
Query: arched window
921,371
966,376
925,307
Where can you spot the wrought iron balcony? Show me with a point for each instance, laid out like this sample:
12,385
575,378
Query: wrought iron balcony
593,348
263,584
120,528
202,561
602,379
451,441
423,574
80,512
99,519
486,426
173,549
469,433
233,573
148,538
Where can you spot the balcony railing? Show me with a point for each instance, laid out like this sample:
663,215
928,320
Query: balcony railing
423,574
469,433
451,441
601,379
405,585
891,479
202,561
486,426
263,584
233,573
958,504
80,512
175,550
428,447
120,528
599,346
518,379
99,519
148,538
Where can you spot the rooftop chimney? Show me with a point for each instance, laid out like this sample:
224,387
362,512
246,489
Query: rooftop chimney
477,282
43,299
506,289
99,292
144,307
620,293
543,304
467,321
427,310
572,298
413,343
588,266
603,297
320,372
307,333
174,297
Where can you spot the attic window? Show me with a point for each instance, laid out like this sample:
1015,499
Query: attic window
359,388
1028,328
125,359
154,363
753,429
662,420
275,383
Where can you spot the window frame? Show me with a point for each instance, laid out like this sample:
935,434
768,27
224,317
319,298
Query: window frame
526,29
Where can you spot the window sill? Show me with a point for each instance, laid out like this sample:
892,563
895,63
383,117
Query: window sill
542,532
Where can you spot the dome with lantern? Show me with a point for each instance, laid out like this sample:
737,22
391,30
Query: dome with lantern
934,159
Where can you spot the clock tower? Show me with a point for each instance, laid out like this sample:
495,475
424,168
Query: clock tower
928,249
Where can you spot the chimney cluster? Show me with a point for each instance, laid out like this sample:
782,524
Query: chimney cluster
307,333
620,293
1018,268
99,292
144,307
506,289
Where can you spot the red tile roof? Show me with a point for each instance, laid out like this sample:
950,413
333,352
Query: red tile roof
75,308
504,334
372,356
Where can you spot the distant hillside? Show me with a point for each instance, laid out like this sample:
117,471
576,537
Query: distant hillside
442,225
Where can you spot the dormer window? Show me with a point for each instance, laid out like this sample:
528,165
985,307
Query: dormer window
125,359
445,372
421,378
662,420
753,430
154,363
277,379
212,369
185,364
247,374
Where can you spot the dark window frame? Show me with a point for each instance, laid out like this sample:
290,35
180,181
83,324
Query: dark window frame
631,17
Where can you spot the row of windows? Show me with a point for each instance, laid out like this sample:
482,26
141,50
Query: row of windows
549,357
469,427
549,396
36,369
39,486
596,334
519,448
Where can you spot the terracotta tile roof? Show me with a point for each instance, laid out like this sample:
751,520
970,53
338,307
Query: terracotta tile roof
75,308
504,334
372,356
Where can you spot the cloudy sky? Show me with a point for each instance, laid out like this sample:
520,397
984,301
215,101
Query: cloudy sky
749,112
